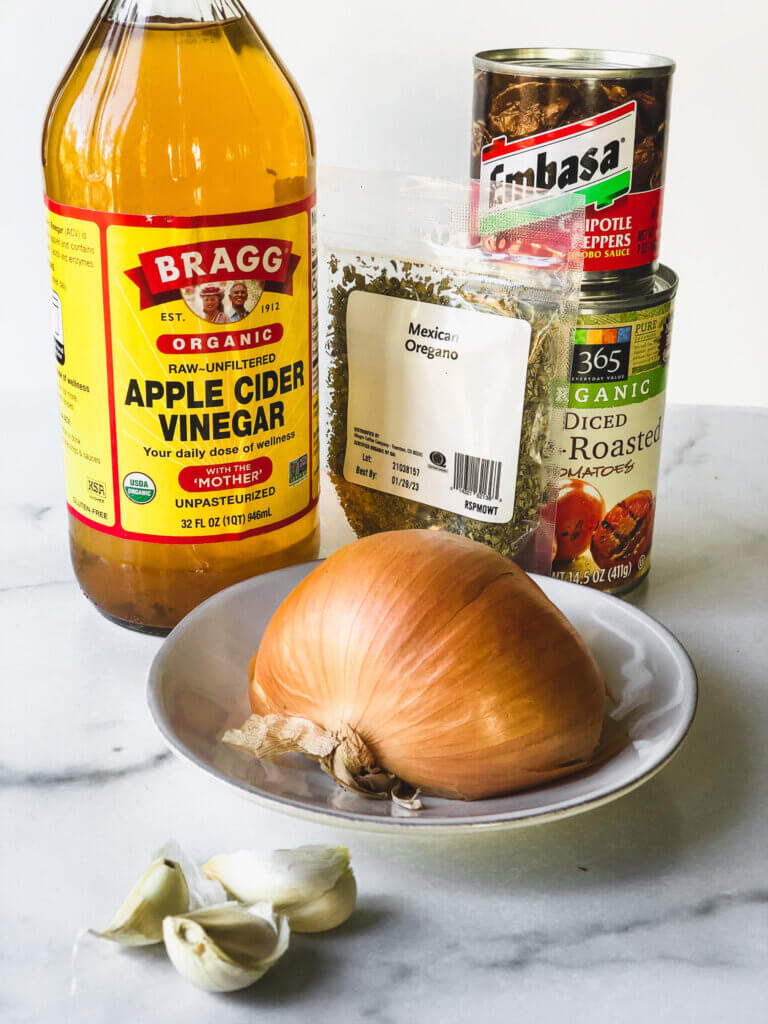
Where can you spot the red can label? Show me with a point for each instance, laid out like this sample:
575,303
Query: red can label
595,157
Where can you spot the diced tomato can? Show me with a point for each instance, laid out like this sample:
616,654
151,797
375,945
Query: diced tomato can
609,441
588,121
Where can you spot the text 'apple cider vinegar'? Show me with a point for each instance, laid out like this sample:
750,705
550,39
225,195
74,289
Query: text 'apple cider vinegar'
180,184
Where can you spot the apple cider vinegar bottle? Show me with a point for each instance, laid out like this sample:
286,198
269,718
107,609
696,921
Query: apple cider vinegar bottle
179,164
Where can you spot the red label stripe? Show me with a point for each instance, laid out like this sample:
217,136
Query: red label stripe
501,147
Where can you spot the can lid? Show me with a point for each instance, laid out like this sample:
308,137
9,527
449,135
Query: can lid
563,62
620,297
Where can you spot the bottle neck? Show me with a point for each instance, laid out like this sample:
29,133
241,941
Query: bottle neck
138,11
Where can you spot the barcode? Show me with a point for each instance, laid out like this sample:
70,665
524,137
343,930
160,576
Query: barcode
472,475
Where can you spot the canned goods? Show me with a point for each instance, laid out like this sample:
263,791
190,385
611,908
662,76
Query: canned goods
610,439
588,121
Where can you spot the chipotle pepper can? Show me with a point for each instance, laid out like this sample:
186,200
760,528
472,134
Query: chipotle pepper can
588,121
610,440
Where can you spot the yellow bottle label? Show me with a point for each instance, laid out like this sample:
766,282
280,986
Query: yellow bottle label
187,360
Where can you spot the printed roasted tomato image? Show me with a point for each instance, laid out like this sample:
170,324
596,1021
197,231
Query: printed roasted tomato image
624,536
580,507
224,302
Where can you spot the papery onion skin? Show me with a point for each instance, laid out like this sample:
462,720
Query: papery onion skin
455,669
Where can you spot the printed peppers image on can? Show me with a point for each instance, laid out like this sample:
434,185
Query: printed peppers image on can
187,350
586,121
610,441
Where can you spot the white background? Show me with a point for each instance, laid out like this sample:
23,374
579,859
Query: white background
389,85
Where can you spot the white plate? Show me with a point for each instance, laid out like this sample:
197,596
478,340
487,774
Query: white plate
198,689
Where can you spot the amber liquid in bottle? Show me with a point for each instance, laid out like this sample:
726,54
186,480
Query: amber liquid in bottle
177,107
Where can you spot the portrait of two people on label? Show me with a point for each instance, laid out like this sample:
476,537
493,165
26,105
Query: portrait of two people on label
226,304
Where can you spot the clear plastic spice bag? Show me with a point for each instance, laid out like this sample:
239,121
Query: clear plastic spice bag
447,339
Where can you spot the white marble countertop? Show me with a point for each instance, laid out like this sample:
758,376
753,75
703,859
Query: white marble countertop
653,908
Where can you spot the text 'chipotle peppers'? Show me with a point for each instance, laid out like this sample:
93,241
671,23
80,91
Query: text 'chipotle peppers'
423,658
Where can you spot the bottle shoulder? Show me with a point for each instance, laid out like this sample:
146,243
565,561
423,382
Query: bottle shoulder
177,121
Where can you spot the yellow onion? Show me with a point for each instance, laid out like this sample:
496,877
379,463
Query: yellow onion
424,657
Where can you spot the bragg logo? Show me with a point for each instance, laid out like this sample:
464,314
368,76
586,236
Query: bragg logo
165,272
593,157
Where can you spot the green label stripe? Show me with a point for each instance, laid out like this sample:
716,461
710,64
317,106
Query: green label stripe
508,217
636,389
603,193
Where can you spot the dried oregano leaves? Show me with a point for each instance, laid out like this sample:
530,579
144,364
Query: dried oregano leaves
371,511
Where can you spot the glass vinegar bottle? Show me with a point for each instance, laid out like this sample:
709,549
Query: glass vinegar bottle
179,165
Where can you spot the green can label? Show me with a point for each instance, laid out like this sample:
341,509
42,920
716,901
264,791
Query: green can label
610,444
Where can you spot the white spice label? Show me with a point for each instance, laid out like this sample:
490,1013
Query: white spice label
435,406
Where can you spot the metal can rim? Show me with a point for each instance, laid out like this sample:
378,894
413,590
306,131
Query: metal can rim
619,64
620,299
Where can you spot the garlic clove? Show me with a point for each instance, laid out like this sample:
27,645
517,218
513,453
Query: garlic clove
203,891
329,910
312,885
226,948
161,890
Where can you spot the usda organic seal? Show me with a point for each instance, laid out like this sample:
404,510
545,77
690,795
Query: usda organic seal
139,487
